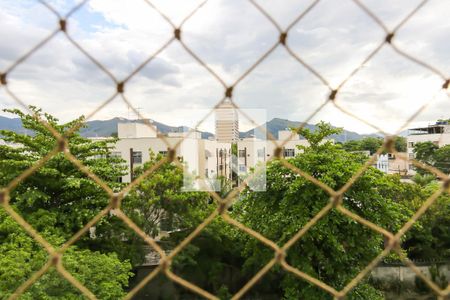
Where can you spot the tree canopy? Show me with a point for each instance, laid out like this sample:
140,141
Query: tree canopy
431,154
372,144
58,200
336,248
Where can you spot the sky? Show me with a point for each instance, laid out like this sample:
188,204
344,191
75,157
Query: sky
229,36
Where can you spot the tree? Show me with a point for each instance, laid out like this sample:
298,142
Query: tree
429,153
371,144
58,200
336,248
425,151
20,256
160,199
423,180
159,203
442,159
352,146
430,239
316,137
400,144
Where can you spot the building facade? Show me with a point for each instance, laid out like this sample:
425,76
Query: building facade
438,134
205,159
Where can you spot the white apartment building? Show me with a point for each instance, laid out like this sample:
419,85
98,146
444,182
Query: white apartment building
252,151
438,133
389,163
205,158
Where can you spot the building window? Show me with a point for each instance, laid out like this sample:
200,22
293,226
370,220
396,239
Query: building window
242,153
242,168
163,153
137,157
411,166
288,153
411,144
411,155
116,154
261,152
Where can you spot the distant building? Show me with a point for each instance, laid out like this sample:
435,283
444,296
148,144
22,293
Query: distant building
227,123
204,158
207,159
389,163
252,151
438,134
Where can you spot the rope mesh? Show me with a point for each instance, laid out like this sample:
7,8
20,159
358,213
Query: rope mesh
336,196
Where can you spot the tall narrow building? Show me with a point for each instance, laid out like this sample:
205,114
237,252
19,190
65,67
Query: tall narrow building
227,123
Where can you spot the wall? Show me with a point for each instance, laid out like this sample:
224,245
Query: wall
405,274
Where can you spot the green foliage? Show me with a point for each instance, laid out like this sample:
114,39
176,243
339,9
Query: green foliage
425,151
58,187
423,179
58,200
400,144
431,154
212,259
20,256
442,159
234,149
372,144
316,137
430,238
160,196
336,248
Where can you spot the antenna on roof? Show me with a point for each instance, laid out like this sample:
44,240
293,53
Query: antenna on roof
138,109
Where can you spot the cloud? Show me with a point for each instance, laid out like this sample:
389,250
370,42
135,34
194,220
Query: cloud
229,36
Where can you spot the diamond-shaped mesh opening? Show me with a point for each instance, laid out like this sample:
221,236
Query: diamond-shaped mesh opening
21,255
52,284
301,92
432,224
333,40
321,187
17,40
385,83
99,27
163,83
200,36
44,74
334,258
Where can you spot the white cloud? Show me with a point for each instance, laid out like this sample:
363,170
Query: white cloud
229,36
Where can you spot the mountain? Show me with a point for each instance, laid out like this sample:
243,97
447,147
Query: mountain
14,124
105,128
98,128
109,127
277,124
